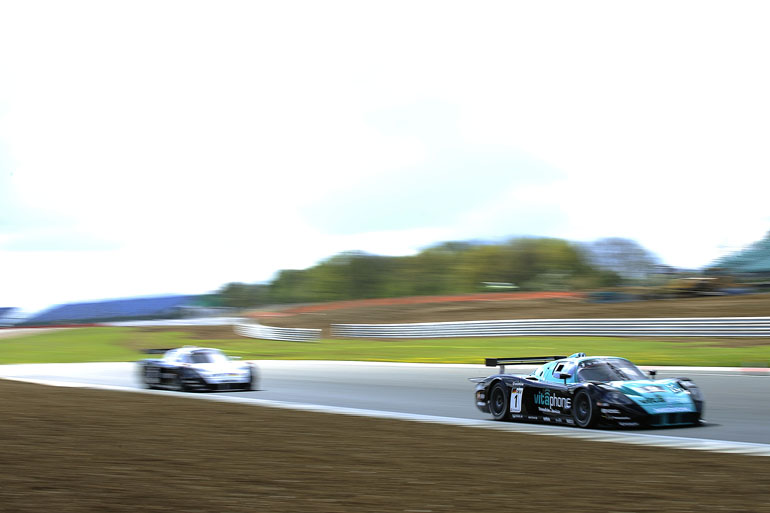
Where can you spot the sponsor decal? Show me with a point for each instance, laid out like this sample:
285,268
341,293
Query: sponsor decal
551,402
672,409
648,389
517,395
652,400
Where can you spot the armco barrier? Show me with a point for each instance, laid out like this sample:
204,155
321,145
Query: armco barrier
679,327
254,330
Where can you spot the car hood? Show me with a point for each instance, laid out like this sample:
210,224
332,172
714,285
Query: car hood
659,396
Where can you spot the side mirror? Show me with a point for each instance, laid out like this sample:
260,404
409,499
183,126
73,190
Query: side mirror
562,375
653,373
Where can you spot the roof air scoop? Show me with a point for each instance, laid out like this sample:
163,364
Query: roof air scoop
577,355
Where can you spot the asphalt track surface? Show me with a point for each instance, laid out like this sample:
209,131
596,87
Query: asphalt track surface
737,401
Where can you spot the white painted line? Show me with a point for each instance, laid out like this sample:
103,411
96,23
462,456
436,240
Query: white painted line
672,442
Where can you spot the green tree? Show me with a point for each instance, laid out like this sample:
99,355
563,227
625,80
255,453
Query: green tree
448,268
242,295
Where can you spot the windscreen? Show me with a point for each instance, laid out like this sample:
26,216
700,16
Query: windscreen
609,369
207,357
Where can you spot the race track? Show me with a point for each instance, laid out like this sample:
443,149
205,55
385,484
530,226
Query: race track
737,403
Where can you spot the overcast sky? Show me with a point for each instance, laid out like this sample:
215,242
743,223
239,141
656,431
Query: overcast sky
158,146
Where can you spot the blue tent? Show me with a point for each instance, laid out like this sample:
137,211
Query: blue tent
113,310
7,317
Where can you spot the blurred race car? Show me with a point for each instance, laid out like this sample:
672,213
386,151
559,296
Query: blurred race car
587,391
192,368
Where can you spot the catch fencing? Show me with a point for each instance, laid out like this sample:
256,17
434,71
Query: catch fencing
255,330
673,327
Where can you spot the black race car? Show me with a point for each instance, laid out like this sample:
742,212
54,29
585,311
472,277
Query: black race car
192,368
587,391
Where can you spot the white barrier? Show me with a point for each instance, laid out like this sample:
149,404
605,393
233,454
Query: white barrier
255,330
196,321
678,327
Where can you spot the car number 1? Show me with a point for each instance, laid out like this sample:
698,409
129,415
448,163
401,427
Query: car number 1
517,394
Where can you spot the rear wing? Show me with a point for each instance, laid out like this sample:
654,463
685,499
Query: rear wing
535,360
157,351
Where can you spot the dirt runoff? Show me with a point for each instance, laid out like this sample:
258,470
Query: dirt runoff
506,307
75,450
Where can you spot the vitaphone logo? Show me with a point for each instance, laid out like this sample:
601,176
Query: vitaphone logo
545,398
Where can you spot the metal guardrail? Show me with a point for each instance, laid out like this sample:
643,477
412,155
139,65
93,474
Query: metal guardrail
674,327
255,330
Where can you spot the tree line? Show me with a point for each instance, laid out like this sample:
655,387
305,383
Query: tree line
528,263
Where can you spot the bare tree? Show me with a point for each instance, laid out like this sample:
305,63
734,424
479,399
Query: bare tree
623,256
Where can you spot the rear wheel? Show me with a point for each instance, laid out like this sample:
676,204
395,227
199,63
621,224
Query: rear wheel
498,401
177,383
583,410
147,377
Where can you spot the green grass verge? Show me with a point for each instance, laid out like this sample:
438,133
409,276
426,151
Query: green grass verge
125,344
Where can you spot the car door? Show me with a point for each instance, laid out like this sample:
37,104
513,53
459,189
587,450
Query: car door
553,397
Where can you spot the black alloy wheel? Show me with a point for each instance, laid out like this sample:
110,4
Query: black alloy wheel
144,378
583,410
253,379
177,383
498,401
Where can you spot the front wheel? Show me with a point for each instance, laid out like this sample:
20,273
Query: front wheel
498,401
253,379
584,410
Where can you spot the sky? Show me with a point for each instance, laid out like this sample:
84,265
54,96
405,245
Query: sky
153,147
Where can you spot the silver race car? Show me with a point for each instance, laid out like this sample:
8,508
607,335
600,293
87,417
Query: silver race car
192,368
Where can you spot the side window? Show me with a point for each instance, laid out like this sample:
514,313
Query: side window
565,367
570,368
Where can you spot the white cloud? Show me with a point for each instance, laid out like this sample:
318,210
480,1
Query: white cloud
193,135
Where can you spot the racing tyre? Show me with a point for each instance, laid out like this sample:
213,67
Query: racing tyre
144,378
253,379
498,401
584,410
178,384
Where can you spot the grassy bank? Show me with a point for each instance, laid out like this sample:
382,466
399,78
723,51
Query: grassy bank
125,344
